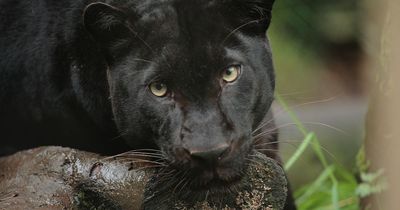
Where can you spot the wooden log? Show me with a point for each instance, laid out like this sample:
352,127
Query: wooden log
63,178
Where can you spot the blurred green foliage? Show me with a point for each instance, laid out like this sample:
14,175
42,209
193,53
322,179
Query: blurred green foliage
318,23
303,33
335,188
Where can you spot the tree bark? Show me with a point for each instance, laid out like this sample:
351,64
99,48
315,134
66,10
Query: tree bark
62,178
383,122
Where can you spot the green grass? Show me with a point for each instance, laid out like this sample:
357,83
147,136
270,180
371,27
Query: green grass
335,188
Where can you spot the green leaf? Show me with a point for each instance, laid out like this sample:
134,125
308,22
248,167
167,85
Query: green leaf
373,183
371,177
307,140
361,160
316,185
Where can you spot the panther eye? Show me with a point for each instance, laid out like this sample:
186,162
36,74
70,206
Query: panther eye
231,73
158,89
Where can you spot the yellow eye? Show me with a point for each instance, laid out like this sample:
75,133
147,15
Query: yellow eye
231,74
158,89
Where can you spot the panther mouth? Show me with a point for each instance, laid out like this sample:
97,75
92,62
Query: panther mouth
196,183
189,176
221,176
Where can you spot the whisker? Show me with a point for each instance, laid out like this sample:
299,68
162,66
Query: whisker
149,47
326,125
136,155
183,179
292,143
274,129
206,197
275,143
144,150
268,150
119,135
305,123
260,138
282,111
324,100
184,185
294,93
147,167
166,175
141,161
144,60
139,154
240,27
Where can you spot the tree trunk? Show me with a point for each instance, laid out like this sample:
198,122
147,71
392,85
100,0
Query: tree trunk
383,121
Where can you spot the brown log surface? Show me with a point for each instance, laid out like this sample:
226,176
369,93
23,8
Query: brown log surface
63,178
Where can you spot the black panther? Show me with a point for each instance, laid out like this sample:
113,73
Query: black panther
193,79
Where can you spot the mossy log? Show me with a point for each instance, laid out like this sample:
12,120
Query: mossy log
63,178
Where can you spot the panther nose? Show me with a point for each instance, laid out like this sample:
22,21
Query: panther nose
211,155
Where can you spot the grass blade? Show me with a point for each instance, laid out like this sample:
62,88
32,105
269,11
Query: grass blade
317,149
307,140
315,185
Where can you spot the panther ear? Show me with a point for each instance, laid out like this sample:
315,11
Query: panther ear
108,25
253,15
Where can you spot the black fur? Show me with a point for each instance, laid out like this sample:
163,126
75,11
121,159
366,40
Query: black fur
76,73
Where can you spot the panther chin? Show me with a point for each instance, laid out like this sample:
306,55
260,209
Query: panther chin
211,185
215,180
193,182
